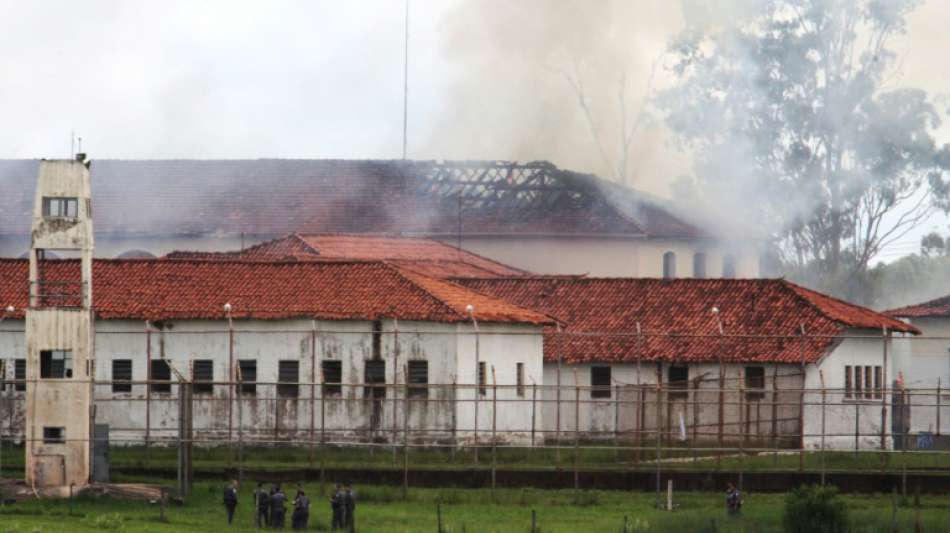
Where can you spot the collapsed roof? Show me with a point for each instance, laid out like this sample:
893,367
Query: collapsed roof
428,256
762,319
156,289
270,197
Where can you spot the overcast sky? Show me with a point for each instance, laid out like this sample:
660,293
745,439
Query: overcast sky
323,79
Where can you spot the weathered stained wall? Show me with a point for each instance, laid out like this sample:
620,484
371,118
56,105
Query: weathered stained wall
925,363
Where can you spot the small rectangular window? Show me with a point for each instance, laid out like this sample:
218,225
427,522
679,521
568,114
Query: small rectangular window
160,377
288,378
519,379
248,377
332,378
3,375
121,375
755,382
53,435
56,364
19,375
678,377
60,207
868,387
482,379
202,376
878,389
848,383
600,381
419,379
374,378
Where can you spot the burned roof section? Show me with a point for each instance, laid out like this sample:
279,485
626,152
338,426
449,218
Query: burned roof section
271,197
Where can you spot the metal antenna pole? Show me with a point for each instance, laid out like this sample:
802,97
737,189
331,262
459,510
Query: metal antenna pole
405,86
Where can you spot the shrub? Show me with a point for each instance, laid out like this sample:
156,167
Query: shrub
815,509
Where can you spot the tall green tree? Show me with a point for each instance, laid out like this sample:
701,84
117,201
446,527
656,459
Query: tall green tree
795,123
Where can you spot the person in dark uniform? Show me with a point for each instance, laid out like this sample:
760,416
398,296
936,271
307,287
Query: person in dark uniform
301,510
733,499
349,506
336,508
231,500
262,506
278,500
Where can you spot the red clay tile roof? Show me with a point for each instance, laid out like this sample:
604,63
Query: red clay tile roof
761,318
270,197
936,308
428,256
155,289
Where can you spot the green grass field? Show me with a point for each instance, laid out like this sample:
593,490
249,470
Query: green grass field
381,509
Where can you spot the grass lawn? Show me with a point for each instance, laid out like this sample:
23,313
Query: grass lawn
382,509
292,458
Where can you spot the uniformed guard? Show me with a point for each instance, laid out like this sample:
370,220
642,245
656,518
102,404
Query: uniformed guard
262,506
349,507
278,501
336,507
301,510
231,499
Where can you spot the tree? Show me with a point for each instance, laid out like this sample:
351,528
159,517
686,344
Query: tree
793,122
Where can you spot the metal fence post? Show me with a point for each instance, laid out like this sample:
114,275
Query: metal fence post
405,433
821,377
494,428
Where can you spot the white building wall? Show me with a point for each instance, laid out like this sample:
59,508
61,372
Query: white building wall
265,417
849,422
925,364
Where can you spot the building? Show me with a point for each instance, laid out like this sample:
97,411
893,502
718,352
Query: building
59,330
733,358
533,216
925,365
328,348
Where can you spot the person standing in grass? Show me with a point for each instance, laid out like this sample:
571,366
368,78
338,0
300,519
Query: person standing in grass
336,508
301,510
733,499
349,506
277,509
262,506
231,499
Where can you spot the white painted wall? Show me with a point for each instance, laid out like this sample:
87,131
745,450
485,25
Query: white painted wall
925,364
266,417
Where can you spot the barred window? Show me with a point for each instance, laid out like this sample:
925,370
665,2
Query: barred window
863,382
121,375
19,375
332,378
374,378
248,375
755,382
160,372
60,207
56,364
482,378
54,435
288,377
600,381
202,376
519,379
419,379
678,378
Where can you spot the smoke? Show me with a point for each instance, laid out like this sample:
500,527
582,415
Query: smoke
522,68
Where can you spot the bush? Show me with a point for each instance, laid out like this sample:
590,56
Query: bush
815,509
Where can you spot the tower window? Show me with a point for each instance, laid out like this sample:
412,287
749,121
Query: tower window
56,364
121,375
699,265
54,435
60,207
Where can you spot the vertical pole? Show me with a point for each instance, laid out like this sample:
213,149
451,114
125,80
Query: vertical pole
616,403
494,428
557,412
801,406
534,399
659,416
323,428
641,397
478,386
405,432
577,430
148,387
857,428
722,394
231,376
821,377
938,406
740,388
455,406
313,388
773,430
885,337
396,381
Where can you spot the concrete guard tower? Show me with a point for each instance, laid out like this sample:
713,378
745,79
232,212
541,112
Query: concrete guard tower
59,329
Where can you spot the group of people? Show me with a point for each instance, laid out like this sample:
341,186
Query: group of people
271,506
342,505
